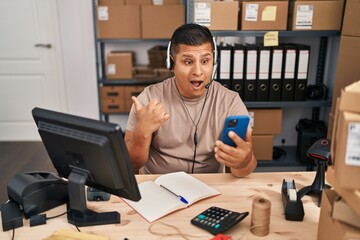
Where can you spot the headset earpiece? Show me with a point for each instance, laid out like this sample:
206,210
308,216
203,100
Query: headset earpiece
168,58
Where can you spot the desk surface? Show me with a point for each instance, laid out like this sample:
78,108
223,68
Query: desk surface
236,194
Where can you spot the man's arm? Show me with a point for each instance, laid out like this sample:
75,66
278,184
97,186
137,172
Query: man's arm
149,119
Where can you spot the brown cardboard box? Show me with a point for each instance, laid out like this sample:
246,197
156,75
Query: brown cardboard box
161,21
329,228
352,197
344,213
263,146
266,121
270,15
347,154
112,92
119,65
316,15
113,105
111,2
138,2
117,20
351,22
347,69
212,14
129,92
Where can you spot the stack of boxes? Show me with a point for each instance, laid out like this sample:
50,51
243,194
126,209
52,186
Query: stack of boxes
340,207
133,19
265,124
347,68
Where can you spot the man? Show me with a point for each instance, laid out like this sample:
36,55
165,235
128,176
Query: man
175,125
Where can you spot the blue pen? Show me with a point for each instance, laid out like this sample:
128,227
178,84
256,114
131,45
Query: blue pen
181,198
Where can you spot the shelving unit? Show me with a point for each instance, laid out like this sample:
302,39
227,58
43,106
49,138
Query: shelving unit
290,160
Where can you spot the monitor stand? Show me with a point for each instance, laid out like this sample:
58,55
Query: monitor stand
77,212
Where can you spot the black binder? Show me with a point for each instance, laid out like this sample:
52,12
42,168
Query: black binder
263,73
251,55
302,66
238,57
276,73
225,83
287,92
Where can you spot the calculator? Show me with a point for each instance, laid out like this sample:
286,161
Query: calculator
218,220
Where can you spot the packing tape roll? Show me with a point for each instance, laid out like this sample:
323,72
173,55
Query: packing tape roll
292,195
260,216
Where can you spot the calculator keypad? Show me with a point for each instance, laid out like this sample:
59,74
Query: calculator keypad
217,220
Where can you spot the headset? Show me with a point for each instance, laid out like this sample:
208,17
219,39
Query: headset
168,61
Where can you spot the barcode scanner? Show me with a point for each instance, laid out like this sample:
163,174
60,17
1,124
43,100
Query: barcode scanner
320,152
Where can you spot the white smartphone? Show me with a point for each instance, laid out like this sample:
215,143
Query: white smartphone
238,124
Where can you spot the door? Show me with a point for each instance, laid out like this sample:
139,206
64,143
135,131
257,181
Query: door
30,65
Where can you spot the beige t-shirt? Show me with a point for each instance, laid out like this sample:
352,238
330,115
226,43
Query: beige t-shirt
172,147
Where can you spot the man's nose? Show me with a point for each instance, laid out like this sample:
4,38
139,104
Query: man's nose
197,69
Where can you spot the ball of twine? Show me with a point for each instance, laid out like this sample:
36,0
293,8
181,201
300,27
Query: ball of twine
260,216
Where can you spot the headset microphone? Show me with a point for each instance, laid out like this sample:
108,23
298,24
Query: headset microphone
209,83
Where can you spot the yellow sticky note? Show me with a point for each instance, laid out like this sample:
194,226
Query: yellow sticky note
271,39
269,13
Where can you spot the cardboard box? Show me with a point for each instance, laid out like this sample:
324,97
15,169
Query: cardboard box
138,2
347,150
351,197
118,20
113,105
212,14
161,21
263,146
329,228
351,21
264,15
266,121
344,213
347,69
316,15
350,98
129,92
119,65
112,92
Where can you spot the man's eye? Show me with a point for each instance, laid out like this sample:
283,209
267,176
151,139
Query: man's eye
205,61
188,62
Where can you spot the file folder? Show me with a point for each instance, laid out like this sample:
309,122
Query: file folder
224,62
250,72
287,93
262,82
302,66
238,57
225,83
276,73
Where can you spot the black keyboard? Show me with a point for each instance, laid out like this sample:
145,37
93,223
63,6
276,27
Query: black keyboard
218,220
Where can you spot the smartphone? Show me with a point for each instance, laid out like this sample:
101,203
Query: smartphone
238,124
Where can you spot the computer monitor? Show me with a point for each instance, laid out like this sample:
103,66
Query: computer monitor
87,152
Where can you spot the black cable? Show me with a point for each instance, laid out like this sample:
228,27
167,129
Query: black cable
13,234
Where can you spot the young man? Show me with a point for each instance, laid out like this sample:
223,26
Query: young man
175,125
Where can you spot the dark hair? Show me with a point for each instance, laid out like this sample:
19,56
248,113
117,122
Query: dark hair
190,34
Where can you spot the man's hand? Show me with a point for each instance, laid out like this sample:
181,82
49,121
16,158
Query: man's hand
150,117
240,158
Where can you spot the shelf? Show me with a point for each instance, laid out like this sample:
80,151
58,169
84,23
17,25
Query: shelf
313,33
135,40
289,162
308,103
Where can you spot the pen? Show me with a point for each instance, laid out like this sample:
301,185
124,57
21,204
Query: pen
179,196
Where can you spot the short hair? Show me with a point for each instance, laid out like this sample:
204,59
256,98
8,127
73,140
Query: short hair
190,34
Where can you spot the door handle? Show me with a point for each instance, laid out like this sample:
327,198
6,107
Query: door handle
43,45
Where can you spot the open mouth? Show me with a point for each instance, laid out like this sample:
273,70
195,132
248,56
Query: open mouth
196,84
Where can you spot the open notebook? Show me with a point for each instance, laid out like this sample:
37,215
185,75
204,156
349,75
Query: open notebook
168,193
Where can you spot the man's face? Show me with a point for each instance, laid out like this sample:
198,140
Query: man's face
192,69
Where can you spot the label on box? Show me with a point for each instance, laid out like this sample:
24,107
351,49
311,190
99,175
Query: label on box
202,13
251,12
103,13
251,115
304,17
111,70
352,157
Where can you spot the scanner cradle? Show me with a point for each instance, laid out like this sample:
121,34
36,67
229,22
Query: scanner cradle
36,192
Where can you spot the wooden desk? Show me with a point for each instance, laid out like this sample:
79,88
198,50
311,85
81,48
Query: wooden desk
236,194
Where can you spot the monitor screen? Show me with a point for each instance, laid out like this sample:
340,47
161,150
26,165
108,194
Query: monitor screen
87,152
